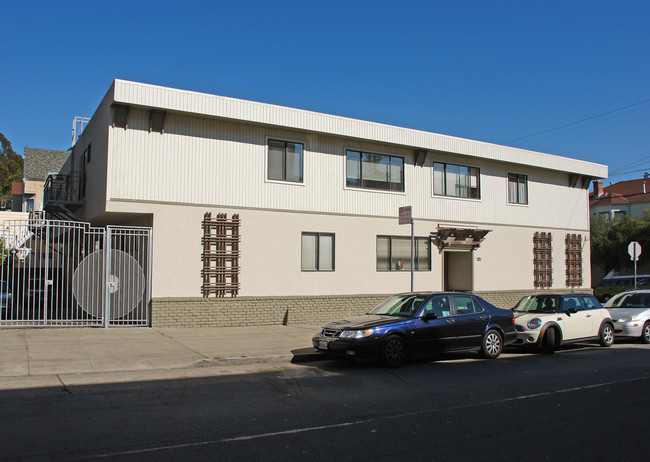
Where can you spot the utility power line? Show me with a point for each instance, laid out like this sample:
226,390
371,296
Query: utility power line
629,171
578,121
631,165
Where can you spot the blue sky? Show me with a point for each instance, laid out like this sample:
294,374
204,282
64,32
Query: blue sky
493,70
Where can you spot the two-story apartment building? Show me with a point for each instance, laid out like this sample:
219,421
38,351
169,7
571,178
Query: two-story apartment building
307,205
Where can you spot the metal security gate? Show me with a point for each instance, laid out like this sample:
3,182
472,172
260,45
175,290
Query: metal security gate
60,273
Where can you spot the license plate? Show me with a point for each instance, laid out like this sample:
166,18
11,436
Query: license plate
322,344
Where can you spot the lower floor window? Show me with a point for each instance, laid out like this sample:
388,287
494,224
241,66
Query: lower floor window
317,252
394,253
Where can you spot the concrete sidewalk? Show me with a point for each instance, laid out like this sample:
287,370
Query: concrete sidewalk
41,357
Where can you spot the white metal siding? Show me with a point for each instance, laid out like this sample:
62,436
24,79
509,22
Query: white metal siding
170,99
205,161
96,133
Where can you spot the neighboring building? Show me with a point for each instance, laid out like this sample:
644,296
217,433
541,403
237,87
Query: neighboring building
37,165
625,198
620,199
305,205
17,196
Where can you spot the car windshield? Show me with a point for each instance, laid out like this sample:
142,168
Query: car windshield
629,301
537,304
399,305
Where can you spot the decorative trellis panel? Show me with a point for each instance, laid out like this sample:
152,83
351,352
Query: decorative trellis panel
220,255
573,260
543,260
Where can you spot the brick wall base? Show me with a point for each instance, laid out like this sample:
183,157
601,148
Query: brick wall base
257,311
266,311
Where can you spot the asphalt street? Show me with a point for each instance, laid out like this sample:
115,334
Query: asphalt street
583,403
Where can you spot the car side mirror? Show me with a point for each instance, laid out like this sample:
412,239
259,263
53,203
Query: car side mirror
571,311
428,316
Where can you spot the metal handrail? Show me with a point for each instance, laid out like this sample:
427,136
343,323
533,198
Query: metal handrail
62,188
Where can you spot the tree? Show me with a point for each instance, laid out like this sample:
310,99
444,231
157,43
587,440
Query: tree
610,239
11,167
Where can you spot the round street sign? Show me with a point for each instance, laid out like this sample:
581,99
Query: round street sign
634,249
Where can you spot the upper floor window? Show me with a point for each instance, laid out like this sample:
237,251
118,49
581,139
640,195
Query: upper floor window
285,161
456,181
517,188
84,161
375,171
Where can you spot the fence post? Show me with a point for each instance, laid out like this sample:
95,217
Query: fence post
107,266
46,273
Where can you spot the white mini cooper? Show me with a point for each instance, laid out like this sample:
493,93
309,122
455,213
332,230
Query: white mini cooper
550,320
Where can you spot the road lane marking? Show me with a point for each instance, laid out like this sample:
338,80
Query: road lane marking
356,422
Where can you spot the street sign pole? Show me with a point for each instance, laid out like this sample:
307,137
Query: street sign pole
634,249
413,258
406,217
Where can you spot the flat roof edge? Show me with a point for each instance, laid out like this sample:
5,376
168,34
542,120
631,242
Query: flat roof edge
203,104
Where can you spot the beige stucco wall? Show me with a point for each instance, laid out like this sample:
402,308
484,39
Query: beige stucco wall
8,216
35,189
271,254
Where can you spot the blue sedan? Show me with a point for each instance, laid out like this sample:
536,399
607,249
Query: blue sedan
420,324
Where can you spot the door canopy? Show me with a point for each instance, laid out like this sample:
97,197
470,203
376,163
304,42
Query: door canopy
458,238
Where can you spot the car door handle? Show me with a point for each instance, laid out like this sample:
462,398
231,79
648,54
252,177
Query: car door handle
588,315
450,321
483,318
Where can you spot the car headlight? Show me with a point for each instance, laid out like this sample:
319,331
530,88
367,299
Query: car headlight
625,319
534,323
356,333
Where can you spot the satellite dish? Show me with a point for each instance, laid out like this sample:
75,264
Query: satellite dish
125,284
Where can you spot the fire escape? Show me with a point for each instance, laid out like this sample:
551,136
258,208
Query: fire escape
63,195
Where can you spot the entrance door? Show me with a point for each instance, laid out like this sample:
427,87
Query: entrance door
457,270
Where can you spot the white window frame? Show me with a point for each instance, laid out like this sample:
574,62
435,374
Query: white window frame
518,199
444,181
367,188
281,139
406,261
317,250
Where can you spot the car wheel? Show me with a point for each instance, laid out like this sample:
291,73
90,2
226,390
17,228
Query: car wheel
549,344
393,351
492,345
606,336
645,333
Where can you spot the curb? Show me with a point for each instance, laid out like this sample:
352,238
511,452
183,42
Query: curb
304,355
